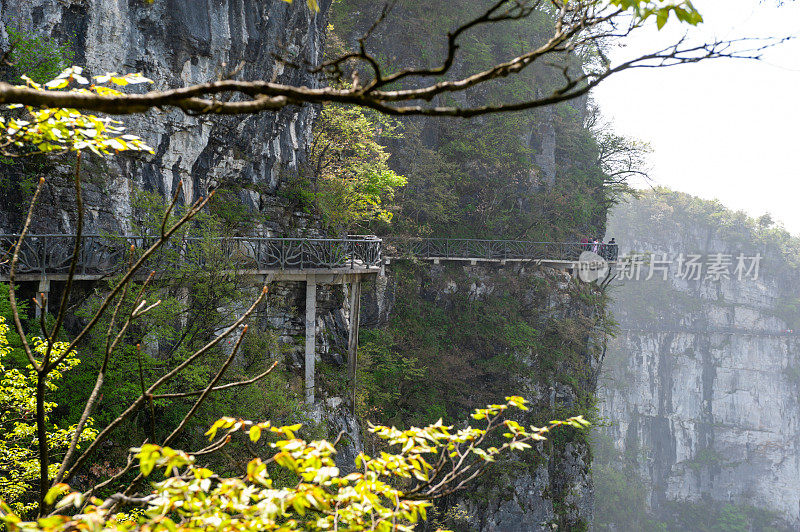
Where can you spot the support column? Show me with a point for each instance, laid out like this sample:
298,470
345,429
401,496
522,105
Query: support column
352,338
311,335
44,288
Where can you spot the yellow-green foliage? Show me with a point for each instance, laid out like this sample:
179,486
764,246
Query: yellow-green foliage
44,130
192,497
312,4
19,462
683,10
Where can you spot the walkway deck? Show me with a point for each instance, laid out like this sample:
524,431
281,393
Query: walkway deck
562,255
48,256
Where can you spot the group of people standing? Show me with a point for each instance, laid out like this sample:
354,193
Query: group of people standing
608,251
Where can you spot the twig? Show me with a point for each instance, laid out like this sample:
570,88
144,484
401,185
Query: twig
62,308
217,388
190,213
131,488
12,293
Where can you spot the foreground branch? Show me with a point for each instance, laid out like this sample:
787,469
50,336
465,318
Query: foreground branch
583,25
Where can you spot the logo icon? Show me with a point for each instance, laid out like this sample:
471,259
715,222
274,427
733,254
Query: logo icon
591,267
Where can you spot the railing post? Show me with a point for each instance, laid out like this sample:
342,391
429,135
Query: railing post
44,256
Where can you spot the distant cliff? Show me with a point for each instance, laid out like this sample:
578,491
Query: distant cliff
701,384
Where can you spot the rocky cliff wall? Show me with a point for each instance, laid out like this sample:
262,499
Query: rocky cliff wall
176,43
470,335
701,384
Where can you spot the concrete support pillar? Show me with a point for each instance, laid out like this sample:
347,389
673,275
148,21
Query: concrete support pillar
352,338
44,288
311,335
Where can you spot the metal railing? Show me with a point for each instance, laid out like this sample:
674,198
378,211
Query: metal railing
102,255
468,248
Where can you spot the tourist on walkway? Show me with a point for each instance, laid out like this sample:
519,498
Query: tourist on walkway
613,250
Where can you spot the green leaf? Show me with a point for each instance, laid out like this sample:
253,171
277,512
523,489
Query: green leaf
54,492
661,17
148,455
52,523
57,83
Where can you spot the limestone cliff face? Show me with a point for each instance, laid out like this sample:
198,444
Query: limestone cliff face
701,384
176,43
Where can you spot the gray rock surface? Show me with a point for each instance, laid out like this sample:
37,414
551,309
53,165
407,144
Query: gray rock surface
550,486
177,43
702,381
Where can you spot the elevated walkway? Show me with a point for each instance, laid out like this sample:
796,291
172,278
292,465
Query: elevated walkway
46,258
49,255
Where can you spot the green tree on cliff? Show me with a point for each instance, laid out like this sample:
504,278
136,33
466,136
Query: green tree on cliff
351,179
19,460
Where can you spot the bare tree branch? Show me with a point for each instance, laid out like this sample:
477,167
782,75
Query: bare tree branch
217,388
583,25
203,395
12,293
158,383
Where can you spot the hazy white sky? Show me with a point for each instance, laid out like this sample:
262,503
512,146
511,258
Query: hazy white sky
721,129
